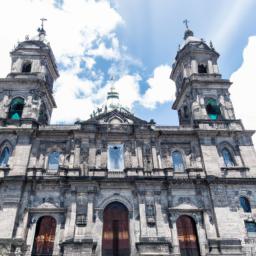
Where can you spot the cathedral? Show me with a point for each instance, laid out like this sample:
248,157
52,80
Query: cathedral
115,184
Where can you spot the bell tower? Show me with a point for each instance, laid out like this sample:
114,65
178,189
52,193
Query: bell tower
26,94
202,95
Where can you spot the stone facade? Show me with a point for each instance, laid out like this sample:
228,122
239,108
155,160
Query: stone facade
154,192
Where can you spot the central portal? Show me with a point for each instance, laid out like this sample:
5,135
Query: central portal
115,239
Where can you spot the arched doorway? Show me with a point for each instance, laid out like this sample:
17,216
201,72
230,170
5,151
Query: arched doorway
187,235
115,239
44,236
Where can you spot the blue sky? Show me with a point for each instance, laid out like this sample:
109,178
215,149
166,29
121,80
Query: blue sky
154,30
134,41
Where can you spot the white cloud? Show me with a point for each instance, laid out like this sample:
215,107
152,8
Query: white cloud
73,30
78,34
161,87
72,97
108,53
128,88
243,90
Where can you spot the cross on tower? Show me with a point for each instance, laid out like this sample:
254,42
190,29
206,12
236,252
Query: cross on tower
186,23
41,31
42,22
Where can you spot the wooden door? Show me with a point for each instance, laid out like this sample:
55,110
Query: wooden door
115,240
44,236
187,235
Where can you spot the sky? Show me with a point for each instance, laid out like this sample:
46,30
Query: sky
132,43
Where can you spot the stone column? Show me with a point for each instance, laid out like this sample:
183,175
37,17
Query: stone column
127,156
134,156
104,155
84,156
209,225
4,104
92,156
210,67
194,67
90,215
98,158
21,230
175,240
161,219
154,156
71,218
21,155
140,157
143,222
215,69
34,153
77,154
8,217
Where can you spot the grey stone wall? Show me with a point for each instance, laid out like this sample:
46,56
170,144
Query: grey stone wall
152,191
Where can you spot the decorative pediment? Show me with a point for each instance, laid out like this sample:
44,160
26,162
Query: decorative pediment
116,117
186,206
47,205
201,45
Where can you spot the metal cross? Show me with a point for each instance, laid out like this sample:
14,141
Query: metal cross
42,24
186,23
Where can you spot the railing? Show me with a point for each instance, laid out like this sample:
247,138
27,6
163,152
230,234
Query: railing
219,124
59,127
235,168
65,171
141,172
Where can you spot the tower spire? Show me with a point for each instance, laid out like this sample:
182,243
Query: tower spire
113,96
188,32
41,31
186,21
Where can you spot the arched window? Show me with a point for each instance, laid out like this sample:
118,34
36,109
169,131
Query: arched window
115,238
115,157
187,236
16,108
53,160
213,109
227,157
202,69
177,161
44,236
245,204
186,112
26,67
4,157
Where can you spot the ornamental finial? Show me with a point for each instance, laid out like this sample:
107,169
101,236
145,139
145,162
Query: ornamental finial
41,30
186,21
188,32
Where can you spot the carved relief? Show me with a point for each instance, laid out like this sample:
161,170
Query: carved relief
150,212
81,209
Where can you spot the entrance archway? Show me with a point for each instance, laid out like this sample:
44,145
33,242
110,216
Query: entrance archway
187,235
115,238
44,236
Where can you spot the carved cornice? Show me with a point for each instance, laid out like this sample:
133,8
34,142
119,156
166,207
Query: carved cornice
46,209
